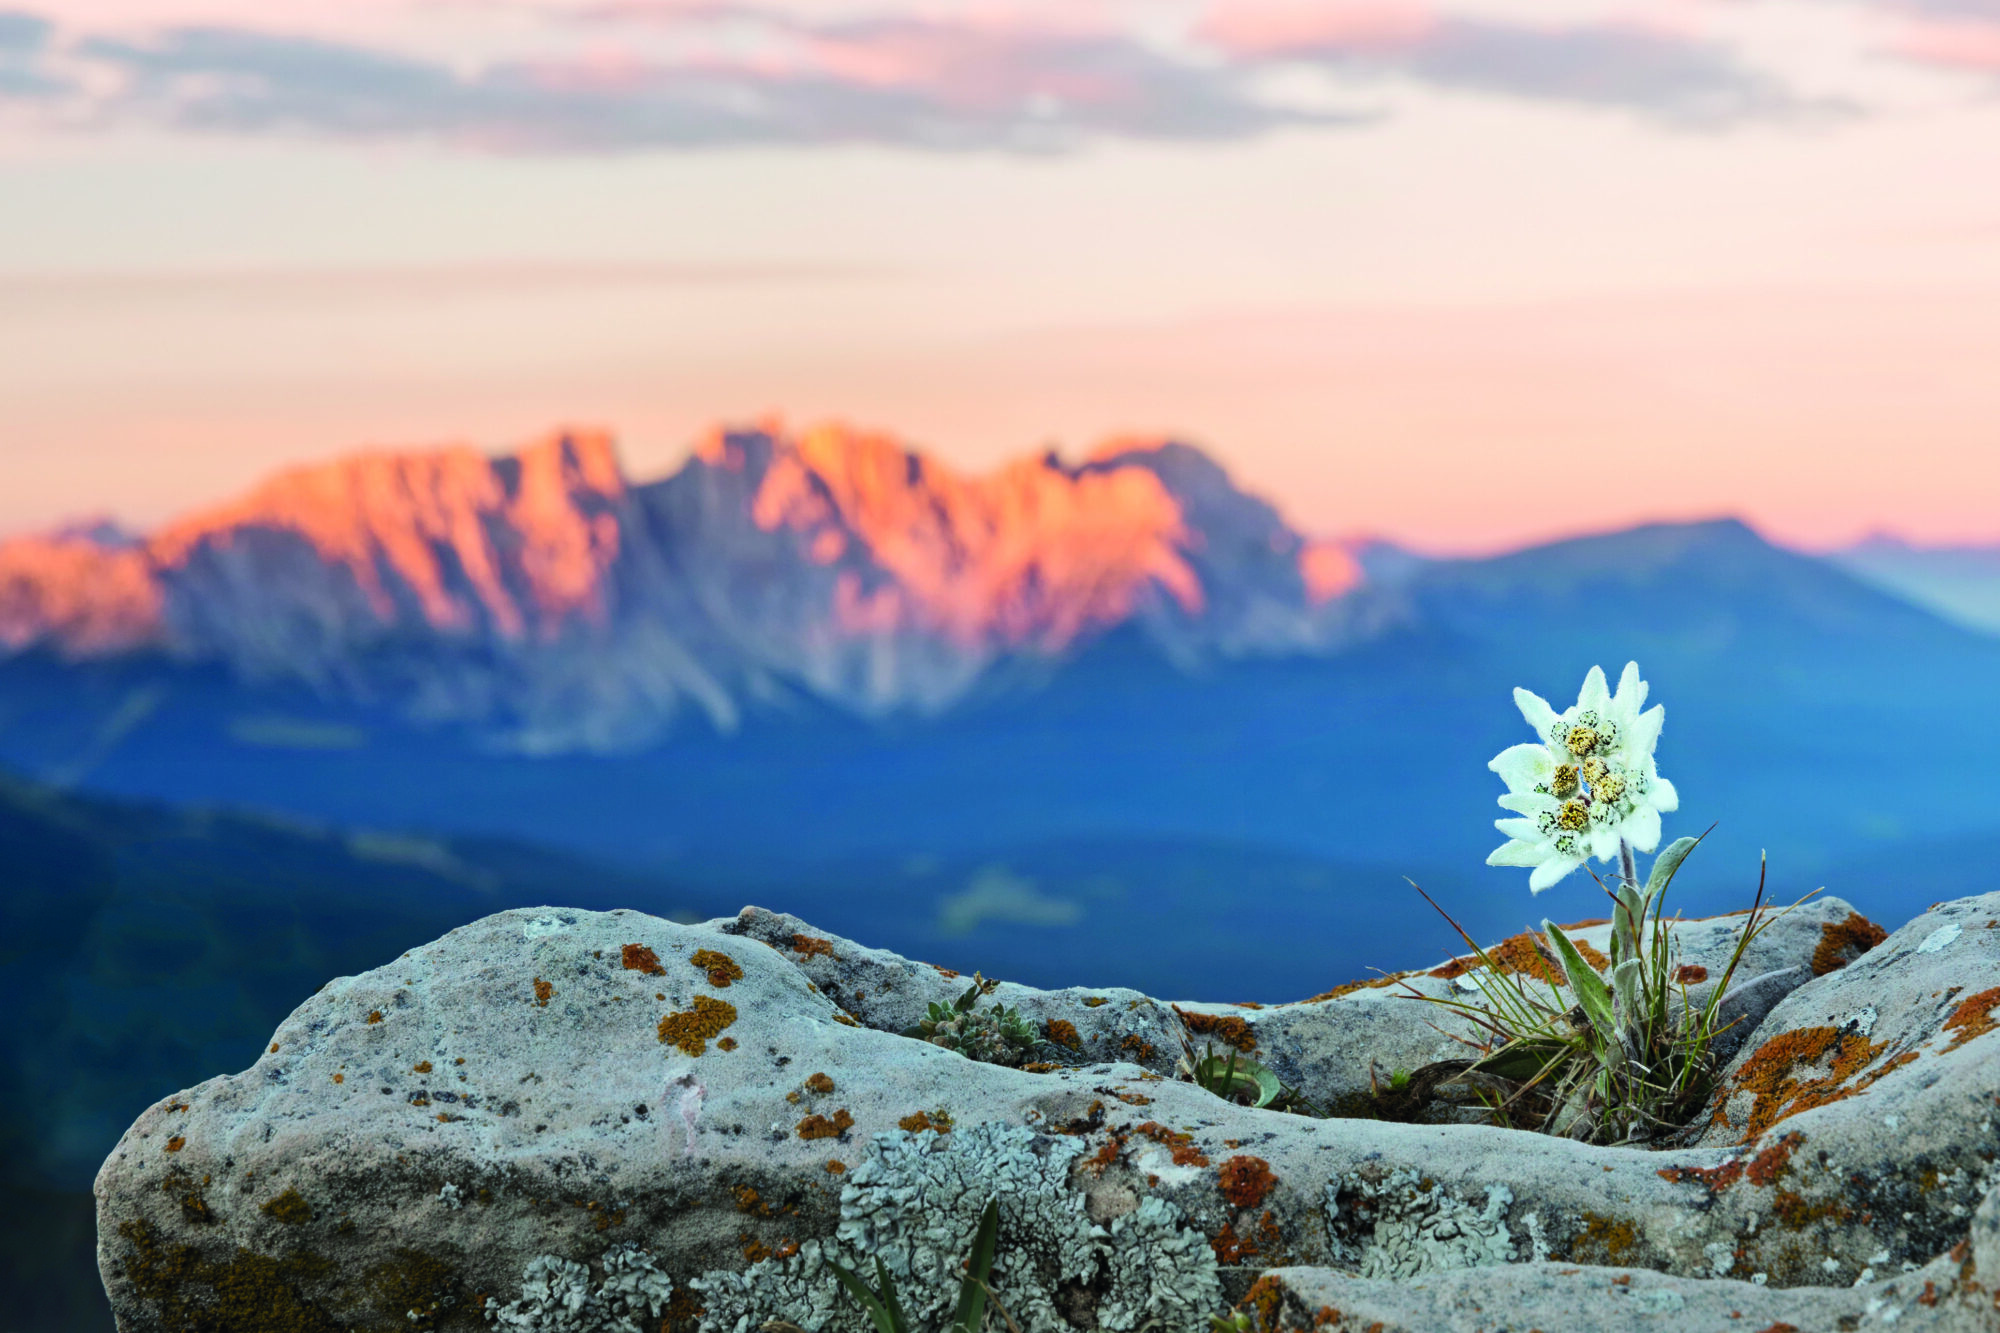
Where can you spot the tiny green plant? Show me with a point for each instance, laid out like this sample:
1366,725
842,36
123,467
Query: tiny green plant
886,1311
1625,1056
998,1035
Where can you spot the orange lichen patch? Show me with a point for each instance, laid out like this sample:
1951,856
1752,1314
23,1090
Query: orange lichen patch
1841,942
421,1067
1246,1004
835,1167
726,1044
421,1099
1525,952
754,1250
374,1016
543,993
1063,1033
1689,974
690,1029
446,1117
845,1020
1232,1029
786,1249
340,1078
1040,1066
936,1121
1264,1301
1244,1181
1797,1212
1230,1248
1348,988
176,1143
274,1048
1780,1327
808,945
288,1208
748,1202
638,958
1973,1017
721,968
1133,1042
1770,1074
944,972
1133,1098
819,1083
1181,1145
1768,1166
1717,1178
1107,1153
1568,926
819,1127
1093,1001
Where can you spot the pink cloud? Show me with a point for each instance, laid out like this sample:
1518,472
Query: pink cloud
1966,44
1265,28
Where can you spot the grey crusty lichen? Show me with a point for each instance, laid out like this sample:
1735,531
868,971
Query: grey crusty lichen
1404,1224
556,1296
915,1203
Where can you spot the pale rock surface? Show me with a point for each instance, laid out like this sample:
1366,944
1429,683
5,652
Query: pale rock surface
700,1132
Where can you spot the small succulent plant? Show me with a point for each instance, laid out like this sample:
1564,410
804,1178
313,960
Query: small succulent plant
998,1035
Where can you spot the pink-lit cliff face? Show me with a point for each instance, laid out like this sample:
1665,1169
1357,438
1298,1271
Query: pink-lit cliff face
1028,556
519,545
841,560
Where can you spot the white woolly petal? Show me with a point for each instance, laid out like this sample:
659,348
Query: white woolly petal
1594,693
1540,716
1603,842
1662,796
1631,695
1642,830
1521,830
1529,802
1549,872
1522,766
1643,733
1519,853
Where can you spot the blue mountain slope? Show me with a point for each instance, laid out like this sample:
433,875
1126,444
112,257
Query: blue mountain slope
1808,714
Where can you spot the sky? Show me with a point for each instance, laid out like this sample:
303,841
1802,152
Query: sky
1468,274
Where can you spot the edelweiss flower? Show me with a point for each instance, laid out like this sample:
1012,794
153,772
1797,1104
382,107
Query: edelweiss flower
1589,785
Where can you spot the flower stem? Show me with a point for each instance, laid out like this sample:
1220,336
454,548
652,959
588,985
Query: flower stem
1626,865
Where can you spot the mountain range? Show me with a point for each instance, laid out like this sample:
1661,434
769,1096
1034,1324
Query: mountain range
983,719
547,603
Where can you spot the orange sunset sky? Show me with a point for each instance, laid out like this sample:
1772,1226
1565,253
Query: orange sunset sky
1467,274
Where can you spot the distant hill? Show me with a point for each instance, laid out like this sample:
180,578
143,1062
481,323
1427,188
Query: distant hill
1959,583
144,949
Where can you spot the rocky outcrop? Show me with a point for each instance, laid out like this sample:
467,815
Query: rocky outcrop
556,1119
546,601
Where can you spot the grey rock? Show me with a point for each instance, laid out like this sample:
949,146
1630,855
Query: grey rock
715,1113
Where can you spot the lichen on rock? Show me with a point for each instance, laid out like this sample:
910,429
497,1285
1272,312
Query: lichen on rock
1401,1224
556,1296
915,1202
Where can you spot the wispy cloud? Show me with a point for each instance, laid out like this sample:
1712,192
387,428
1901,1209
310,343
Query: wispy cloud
1660,75
639,74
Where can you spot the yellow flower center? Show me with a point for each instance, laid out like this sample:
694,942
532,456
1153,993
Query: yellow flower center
1564,784
1574,817
1608,789
1594,770
1581,740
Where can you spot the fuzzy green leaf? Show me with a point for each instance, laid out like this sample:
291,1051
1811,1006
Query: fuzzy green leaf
1666,864
1588,987
1247,1075
965,1001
